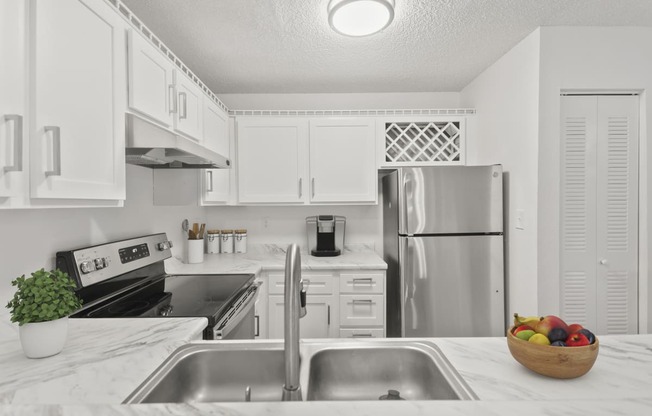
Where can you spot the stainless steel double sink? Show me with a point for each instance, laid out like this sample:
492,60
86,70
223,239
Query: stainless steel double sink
330,370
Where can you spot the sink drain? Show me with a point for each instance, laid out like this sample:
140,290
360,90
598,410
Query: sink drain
391,395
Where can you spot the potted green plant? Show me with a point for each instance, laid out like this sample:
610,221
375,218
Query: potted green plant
41,306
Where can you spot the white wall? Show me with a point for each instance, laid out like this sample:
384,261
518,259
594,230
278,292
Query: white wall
505,131
588,58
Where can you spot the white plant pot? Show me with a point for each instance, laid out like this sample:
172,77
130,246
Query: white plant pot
43,339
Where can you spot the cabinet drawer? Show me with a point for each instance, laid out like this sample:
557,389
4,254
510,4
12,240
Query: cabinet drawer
361,310
362,282
316,284
362,333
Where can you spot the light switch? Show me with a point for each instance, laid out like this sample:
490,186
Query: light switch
520,219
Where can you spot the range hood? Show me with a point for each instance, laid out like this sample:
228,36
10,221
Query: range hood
155,147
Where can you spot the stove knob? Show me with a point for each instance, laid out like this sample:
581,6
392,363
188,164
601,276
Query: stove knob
165,245
86,267
99,263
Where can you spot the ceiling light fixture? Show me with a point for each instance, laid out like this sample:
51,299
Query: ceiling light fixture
360,17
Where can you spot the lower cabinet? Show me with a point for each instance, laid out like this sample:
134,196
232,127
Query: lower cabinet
260,310
339,303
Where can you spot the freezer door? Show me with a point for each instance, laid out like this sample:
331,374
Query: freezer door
450,200
452,286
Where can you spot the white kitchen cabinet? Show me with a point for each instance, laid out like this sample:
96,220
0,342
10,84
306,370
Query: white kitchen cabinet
78,69
272,160
362,304
13,108
190,107
340,303
151,81
319,321
343,160
421,141
216,183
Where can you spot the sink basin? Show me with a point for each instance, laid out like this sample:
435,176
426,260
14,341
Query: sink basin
330,370
417,372
203,373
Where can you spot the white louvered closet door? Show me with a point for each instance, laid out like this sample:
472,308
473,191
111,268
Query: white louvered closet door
599,212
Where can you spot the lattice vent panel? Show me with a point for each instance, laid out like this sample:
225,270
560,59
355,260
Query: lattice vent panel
438,141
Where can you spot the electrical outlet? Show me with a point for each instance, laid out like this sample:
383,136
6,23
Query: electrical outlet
265,222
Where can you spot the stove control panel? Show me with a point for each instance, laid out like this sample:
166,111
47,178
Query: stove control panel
98,263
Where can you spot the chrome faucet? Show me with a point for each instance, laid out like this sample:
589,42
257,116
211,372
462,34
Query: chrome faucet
295,308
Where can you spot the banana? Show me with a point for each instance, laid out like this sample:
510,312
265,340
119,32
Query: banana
526,320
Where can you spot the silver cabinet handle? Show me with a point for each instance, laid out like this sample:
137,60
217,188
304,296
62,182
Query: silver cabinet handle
18,143
363,280
362,301
257,330
209,180
183,114
56,150
173,98
361,336
300,187
313,187
329,315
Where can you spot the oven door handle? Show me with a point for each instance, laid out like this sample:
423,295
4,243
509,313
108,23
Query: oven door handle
231,320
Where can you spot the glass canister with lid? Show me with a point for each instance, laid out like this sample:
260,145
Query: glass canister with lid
226,245
213,241
240,241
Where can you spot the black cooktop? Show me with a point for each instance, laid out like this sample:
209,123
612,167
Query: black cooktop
175,296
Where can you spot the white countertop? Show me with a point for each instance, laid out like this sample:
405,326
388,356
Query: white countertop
105,359
272,257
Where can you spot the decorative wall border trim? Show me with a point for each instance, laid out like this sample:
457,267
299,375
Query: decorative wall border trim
408,112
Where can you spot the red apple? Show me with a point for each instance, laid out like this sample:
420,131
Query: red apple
577,340
522,328
549,323
573,328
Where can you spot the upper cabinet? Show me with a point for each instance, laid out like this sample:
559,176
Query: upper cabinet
343,160
190,105
216,183
151,81
272,160
13,109
421,140
78,100
300,160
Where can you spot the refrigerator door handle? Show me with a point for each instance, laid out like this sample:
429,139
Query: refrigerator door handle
406,250
402,200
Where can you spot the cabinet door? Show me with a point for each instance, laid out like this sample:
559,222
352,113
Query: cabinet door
216,183
190,102
272,160
320,320
12,99
151,81
342,160
78,139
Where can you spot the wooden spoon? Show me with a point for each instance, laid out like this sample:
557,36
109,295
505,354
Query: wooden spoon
192,235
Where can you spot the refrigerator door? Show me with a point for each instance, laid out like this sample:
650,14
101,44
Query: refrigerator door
452,286
450,200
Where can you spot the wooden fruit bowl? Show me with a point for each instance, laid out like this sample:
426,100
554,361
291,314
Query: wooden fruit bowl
557,362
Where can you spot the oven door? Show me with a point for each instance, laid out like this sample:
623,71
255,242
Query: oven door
239,321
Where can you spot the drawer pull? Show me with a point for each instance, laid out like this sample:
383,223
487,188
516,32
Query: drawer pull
363,280
362,301
361,336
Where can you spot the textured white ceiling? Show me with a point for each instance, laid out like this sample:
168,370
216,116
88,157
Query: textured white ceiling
287,46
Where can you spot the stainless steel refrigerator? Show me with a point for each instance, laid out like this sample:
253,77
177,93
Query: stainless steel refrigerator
443,244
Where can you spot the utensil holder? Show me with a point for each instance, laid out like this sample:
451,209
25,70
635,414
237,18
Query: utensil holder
195,251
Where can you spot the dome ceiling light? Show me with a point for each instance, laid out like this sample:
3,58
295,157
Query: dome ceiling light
360,17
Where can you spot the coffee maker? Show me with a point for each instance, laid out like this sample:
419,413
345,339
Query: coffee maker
325,235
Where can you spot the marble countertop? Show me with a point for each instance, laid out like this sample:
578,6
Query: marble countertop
105,359
272,257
